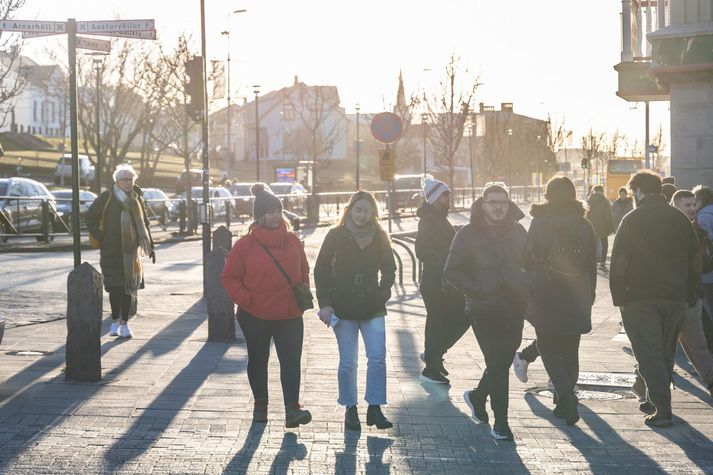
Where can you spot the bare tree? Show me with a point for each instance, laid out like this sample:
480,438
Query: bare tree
661,161
13,77
593,144
320,128
448,111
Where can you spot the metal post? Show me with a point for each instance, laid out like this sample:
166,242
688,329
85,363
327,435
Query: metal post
358,147
72,56
425,131
510,183
204,145
257,134
646,138
100,162
472,169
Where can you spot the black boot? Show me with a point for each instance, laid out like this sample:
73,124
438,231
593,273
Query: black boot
351,419
374,416
569,408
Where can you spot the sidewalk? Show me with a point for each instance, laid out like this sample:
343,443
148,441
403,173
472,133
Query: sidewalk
170,402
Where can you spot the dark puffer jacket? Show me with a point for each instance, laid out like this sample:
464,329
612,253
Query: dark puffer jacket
655,255
433,240
111,259
355,282
619,209
560,304
485,264
600,215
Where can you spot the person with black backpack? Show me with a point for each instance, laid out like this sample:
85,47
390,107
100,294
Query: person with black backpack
561,263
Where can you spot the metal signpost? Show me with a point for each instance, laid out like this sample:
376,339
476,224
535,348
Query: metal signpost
142,29
387,128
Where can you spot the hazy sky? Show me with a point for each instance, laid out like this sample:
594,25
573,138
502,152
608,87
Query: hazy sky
553,56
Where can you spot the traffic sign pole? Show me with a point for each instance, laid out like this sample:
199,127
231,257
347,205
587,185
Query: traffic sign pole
72,54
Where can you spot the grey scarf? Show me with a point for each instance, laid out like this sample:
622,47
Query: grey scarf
363,235
135,240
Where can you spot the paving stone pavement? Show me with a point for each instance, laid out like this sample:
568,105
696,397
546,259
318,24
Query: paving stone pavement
170,402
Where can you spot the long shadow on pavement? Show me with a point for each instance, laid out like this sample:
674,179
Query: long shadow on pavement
289,450
346,460
55,402
606,453
684,384
241,461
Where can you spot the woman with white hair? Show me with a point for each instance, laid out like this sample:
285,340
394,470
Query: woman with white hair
119,225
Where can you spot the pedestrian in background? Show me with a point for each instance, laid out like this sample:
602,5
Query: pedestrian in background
445,307
704,203
622,205
655,278
600,215
560,257
485,264
692,338
119,224
259,275
354,272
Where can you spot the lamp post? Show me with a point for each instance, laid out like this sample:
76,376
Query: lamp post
100,162
424,123
470,156
256,90
358,147
539,154
231,157
205,206
510,184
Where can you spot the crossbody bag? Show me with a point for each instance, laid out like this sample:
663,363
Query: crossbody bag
301,291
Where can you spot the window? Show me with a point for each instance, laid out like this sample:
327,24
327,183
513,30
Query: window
52,111
288,112
42,112
34,111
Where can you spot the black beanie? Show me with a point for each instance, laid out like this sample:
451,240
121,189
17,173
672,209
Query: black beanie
264,200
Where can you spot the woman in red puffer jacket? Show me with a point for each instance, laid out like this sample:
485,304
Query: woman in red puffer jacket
267,308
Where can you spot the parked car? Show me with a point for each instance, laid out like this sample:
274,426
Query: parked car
219,197
64,204
160,207
21,206
63,170
408,192
293,195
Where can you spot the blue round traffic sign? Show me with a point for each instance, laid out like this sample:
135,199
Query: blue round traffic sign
386,127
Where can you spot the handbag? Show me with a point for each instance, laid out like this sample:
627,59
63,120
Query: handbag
94,242
301,291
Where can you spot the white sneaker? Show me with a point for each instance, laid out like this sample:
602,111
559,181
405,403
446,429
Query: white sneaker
125,331
520,367
114,329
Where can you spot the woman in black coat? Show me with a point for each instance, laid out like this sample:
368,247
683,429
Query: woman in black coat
354,272
560,256
119,222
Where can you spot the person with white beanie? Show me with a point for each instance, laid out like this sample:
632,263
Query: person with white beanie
445,314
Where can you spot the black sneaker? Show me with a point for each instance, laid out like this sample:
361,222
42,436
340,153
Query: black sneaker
647,407
433,376
658,421
501,432
477,407
442,369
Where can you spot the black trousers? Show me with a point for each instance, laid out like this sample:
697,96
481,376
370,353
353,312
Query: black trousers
287,335
446,322
120,303
530,352
499,339
560,355
653,327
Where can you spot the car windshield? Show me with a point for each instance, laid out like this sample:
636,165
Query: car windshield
3,188
62,194
281,188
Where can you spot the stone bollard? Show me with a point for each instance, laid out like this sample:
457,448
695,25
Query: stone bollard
221,310
222,237
84,320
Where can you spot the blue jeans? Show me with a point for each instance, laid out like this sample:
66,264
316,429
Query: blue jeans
373,332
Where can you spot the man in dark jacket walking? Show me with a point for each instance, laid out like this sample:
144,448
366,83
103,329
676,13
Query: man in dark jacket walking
600,215
445,309
485,264
621,206
655,272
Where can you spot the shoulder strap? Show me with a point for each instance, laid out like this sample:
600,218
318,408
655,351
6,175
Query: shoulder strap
275,261
106,205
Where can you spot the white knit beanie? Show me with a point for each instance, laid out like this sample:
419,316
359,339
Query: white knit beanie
432,189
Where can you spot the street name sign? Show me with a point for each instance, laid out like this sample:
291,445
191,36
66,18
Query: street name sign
93,44
49,27
386,127
37,34
108,27
137,35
